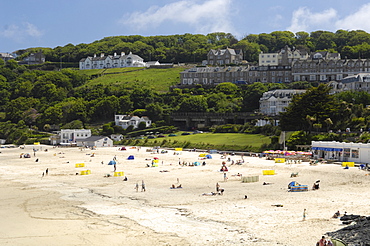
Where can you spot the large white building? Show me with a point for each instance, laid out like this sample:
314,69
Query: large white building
70,136
352,152
274,102
111,61
125,121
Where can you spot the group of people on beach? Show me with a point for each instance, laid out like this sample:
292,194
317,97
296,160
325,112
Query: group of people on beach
143,188
324,242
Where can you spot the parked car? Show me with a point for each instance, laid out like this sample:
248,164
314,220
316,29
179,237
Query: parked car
195,132
161,136
151,137
185,133
172,135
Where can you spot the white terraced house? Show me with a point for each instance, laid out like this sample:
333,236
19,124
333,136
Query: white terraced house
111,61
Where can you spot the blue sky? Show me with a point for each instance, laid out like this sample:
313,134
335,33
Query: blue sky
51,23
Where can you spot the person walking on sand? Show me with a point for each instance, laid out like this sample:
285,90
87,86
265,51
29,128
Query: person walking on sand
225,176
217,187
304,214
143,186
137,187
115,167
47,171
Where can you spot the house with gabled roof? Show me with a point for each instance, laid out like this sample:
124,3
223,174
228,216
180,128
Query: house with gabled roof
6,56
111,61
224,56
275,101
125,121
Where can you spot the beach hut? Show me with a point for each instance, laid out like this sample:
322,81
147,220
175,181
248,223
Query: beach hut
131,157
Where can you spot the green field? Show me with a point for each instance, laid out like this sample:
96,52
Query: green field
254,140
219,141
155,78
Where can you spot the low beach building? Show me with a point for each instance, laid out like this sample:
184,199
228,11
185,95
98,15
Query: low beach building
342,152
69,136
95,141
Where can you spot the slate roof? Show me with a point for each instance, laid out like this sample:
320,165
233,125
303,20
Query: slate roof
92,138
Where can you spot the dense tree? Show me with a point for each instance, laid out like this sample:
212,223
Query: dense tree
105,108
194,104
251,96
313,106
154,111
52,115
141,97
355,97
227,88
16,107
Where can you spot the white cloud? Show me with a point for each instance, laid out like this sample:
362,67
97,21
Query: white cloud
356,21
32,30
206,17
18,33
304,20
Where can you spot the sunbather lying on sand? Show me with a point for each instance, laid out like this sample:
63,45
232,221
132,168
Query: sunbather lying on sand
209,194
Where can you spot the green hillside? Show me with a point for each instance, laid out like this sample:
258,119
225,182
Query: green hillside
157,79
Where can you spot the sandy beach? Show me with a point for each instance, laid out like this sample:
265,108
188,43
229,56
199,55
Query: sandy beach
62,208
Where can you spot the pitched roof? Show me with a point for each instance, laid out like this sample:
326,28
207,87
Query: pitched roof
92,138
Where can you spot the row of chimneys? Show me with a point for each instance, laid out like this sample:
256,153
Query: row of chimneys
115,54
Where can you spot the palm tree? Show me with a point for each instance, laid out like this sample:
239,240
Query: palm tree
310,120
328,123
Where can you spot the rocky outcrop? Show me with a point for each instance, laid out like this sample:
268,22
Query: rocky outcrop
357,233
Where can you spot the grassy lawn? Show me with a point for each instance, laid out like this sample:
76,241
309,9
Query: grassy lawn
157,79
254,140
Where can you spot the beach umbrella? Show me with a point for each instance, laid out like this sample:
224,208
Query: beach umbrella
155,158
